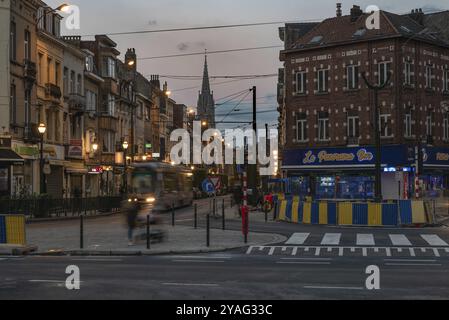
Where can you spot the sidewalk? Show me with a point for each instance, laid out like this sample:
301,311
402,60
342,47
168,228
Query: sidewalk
108,236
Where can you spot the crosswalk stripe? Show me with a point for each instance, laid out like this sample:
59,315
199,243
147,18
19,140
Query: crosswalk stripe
434,240
332,239
399,240
365,239
298,238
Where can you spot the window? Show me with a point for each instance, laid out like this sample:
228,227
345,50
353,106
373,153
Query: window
57,77
48,70
27,45
384,69
301,128
446,126
323,126
408,125
301,82
385,126
56,26
40,58
429,125
148,113
49,126
408,70
72,82
353,127
90,63
66,81
79,85
111,105
41,17
109,67
13,43
91,101
316,39
140,110
429,76
49,22
13,105
352,74
446,79
27,105
322,80
108,141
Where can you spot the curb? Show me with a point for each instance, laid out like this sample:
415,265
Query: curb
70,218
143,252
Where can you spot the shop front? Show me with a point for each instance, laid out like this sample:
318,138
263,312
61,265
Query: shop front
348,173
435,172
25,179
54,156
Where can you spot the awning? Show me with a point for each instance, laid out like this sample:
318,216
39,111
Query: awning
9,156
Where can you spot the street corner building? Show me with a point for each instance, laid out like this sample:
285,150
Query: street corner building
327,112
68,106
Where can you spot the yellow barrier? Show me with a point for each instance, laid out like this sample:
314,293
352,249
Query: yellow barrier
15,229
295,211
344,210
307,213
323,219
282,210
418,212
375,214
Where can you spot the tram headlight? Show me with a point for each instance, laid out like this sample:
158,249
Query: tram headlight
151,200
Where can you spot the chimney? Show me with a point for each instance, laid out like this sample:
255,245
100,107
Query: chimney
339,13
417,15
356,13
154,80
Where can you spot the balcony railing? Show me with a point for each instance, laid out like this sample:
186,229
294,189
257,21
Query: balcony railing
77,102
30,70
53,91
353,141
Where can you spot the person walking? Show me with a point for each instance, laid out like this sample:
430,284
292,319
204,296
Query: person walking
132,211
238,197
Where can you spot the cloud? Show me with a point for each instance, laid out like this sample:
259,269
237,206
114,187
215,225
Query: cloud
184,46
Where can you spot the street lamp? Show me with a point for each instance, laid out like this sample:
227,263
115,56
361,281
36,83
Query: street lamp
62,8
42,128
125,146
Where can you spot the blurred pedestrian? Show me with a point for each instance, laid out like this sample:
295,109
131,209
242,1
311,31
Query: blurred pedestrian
238,197
132,211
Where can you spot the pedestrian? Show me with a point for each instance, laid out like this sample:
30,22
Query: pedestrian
238,197
132,211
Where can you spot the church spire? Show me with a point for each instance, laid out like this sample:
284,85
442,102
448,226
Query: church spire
206,85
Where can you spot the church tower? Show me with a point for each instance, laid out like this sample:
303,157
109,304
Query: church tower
206,103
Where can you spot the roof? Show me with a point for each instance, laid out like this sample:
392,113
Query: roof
340,30
438,22
7,155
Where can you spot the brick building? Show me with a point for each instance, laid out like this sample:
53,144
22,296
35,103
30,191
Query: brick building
327,112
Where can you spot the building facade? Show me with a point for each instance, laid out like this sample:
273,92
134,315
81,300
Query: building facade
328,115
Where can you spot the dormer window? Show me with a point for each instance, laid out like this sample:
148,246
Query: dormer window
90,64
316,39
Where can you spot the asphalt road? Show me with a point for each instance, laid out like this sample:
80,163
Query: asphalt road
316,262
222,276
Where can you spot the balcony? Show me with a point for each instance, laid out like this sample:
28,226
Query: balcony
31,134
77,102
53,91
353,141
30,70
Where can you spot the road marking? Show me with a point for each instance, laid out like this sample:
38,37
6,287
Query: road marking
331,239
388,252
434,240
376,250
413,264
399,240
447,250
294,251
298,238
412,252
317,251
201,257
313,259
409,260
47,281
199,261
365,239
364,252
341,251
336,288
98,260
191,284
271,251
302,262
435,252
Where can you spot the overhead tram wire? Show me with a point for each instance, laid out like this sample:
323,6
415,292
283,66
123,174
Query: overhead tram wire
236,106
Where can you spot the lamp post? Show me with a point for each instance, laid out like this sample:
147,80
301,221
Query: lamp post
376,89
62,8
125,146
42,128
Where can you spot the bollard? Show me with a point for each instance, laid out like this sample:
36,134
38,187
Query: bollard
195,217
275,210
148,232
208,230
223,215
81,232
173,215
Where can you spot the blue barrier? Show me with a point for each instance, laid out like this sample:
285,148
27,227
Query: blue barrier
315,213
288,211
389,214
405,207
332,213
2,229
360,214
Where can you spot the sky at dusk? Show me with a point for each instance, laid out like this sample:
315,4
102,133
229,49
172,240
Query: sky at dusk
106,16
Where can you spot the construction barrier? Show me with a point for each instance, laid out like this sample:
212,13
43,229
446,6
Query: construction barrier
406,212
12,229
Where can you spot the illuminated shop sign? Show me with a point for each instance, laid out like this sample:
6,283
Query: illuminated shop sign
324,156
